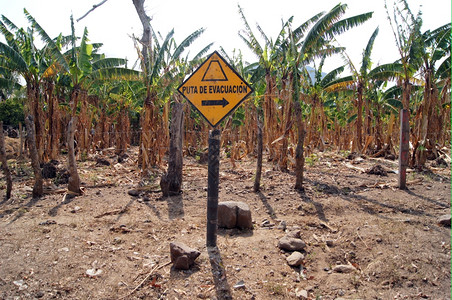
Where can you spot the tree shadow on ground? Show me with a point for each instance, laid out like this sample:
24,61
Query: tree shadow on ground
220,279
124,209
175,207
4,200
22,210
270,210
427,199
66,200
154,209
361,200
318,206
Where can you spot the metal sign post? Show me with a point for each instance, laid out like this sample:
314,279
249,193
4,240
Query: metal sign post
215,89
212,187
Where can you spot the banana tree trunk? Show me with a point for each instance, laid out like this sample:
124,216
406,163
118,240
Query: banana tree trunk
404,149
145,141
31,141
33,94
286,120
122,130
422,148
83,126
260,144
3,160
270,122
53,142
171,182
359,118
299,152
74,180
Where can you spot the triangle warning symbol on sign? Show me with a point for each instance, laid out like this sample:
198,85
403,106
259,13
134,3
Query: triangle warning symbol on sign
214,72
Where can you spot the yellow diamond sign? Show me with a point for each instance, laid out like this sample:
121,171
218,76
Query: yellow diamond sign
215,89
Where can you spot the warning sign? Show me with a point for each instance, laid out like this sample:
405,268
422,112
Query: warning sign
215,89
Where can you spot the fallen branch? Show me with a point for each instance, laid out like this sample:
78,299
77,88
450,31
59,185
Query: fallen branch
53,191
348,165
113,212
146,278
357,233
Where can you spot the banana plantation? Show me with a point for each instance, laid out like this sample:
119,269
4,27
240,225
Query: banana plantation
306,129
67,87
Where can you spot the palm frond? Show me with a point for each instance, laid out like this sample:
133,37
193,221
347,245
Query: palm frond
281,36
444,70
366,62
50,42
115,74
268,42
322,26
84,56
108,63
342,26
387,72
187,42
9,24
392,92
159,56
203,52
13,60
9,36
9,83
299,32
331,76
340,84
250,39
326,51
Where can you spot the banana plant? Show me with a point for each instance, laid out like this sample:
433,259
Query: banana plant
406,27
358,82
78,64
309,43
20,57
160,73
429,126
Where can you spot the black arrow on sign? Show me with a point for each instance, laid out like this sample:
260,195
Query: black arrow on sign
223,102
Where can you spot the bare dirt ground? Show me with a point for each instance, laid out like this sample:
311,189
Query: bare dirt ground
108,244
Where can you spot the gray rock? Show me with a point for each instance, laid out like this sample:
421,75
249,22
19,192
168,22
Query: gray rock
282,225
233,214
295,259
240,285
244,220
182,256
182,263
344,269
329,243
227,214
301,294
294,234
291,244
444,220
134,193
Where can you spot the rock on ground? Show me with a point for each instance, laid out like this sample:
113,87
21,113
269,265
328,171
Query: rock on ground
182,256
295,259
233,214
444,220
291,243
344,268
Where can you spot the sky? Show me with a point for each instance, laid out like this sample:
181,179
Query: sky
116,21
